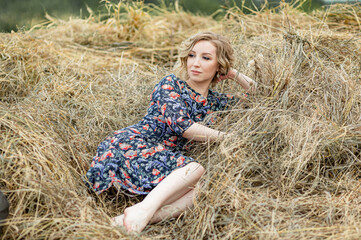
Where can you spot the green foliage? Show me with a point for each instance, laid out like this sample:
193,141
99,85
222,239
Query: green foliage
16,14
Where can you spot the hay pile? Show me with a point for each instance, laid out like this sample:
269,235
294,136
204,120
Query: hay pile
291,169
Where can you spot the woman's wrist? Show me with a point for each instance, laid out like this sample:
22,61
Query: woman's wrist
234,75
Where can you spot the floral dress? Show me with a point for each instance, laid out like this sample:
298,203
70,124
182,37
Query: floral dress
138,157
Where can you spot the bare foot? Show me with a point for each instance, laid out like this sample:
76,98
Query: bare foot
118,221
136,218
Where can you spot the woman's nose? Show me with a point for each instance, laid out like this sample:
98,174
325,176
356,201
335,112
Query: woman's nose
196,61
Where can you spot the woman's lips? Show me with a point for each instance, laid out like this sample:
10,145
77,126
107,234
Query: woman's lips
195,72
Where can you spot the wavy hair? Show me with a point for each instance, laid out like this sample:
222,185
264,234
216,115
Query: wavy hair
224,51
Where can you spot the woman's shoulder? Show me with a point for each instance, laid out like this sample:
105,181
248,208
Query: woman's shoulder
172,80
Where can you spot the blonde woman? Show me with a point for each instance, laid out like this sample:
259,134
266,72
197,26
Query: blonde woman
148,157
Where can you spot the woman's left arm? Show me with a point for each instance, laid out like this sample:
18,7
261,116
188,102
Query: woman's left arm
200,133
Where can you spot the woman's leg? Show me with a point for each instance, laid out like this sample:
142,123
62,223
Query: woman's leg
174,209
170,210
172,188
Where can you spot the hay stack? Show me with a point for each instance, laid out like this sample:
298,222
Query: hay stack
291,169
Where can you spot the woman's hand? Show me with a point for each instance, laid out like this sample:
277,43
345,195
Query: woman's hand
232,73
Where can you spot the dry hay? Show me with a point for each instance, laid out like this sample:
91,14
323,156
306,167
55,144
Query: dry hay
290,170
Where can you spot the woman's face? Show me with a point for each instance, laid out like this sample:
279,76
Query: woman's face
202,62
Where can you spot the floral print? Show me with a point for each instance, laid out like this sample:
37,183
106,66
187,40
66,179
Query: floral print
138,157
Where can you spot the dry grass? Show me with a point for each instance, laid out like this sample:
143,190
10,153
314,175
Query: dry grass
291,170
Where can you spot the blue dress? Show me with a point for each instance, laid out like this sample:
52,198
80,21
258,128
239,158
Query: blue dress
138,157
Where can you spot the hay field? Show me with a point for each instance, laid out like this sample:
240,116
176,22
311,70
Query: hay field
290,171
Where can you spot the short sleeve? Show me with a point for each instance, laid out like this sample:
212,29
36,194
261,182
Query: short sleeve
168,97
221,101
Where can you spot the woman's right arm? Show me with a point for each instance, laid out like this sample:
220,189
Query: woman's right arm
246,82
200,133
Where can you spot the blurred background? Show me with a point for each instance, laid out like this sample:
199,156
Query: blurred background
22,14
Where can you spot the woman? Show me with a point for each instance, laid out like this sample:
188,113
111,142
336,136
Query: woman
147,158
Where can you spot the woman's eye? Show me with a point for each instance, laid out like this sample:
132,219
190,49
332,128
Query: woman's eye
190,55
206,58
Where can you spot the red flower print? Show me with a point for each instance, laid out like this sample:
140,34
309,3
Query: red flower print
180,119
96,185
93,164
125,175
111,174
163,108
180,161
127,163
135,130
201,100
130,154
174,95
148,152
169,79
158,179
119,131
155,172
141,146
105,155
170,144
146,127
159,148
124,146
172,138
169,121
125,182
167,87
159,119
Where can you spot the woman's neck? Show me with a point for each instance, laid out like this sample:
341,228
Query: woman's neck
201,88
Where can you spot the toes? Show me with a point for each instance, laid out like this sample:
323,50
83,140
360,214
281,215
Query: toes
118,221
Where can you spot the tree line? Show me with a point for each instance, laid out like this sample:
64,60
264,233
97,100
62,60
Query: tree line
19,14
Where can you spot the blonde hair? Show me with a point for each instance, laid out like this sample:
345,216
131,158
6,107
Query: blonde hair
224,51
